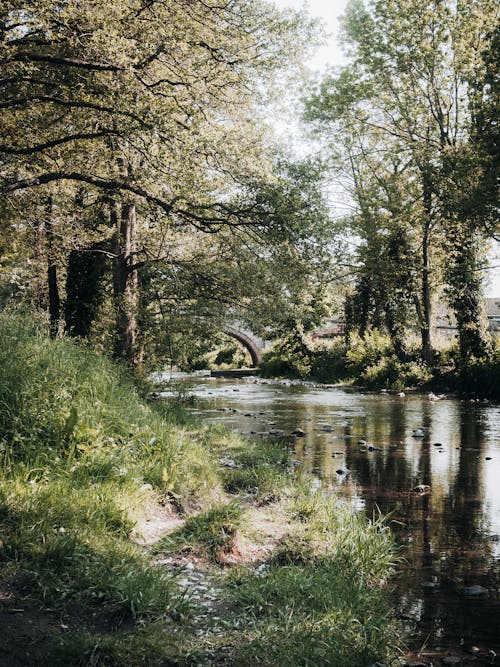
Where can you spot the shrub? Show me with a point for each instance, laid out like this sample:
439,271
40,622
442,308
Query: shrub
329,364
482,376
366,351
391,373
290,358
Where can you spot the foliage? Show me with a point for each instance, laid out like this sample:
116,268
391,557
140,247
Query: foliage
479,376
72,492
329,363
63,401
169,188
400,127
390,373
369,361
290,357
366,351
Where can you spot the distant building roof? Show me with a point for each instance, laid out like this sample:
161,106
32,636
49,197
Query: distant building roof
493,307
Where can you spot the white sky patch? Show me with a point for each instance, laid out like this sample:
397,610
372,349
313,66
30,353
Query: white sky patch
328,11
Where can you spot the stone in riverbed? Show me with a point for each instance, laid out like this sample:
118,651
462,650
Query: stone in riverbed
422,489
473,591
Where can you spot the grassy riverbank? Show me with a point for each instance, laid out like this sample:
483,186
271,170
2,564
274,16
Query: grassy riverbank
133,536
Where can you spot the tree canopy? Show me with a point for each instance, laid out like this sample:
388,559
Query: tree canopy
133,130
401,119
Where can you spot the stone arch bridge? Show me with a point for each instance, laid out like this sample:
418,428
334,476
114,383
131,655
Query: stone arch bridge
253,343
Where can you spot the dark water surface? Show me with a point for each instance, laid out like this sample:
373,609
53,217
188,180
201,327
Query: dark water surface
449,537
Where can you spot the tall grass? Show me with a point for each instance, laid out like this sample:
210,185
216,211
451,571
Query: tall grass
81,453
320,599
61,401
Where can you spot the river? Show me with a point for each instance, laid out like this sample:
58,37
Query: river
447,591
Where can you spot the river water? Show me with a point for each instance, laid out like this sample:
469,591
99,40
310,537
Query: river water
447,591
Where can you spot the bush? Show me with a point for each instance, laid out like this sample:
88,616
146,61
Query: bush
290,358
391,373
329,364
482,376
366,351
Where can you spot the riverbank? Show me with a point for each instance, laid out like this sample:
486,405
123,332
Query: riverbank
132,535
430,462
370,363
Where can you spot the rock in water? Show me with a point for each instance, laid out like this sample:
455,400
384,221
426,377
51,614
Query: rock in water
473,591
422,489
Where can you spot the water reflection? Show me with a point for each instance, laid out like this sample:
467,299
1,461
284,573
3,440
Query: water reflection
449,537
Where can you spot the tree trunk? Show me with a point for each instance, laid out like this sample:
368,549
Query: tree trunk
126,285
396,332
39,261
84,289
85,274
425,328
53,288
465,297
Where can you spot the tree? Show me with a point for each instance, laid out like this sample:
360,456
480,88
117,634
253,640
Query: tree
147,111
408,85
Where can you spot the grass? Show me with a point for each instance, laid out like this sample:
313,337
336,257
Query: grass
262,469
210,531
318,599
152,645
82,454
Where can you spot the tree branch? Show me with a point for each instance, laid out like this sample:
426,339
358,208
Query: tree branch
71,62
55,142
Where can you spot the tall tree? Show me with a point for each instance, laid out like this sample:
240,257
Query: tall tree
408,85
149,106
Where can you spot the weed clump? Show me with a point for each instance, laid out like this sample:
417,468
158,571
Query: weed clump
211,533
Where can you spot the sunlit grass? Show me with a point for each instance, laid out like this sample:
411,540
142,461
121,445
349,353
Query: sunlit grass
207,532
319,598
82,453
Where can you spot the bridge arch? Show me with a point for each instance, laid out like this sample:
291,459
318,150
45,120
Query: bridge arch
249,341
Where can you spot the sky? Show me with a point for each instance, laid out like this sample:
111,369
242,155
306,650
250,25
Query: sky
328,11
331,55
